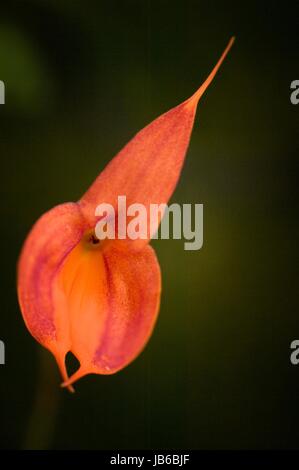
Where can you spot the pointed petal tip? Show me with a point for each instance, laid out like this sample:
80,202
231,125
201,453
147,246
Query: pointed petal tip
194,99
81,372
60,359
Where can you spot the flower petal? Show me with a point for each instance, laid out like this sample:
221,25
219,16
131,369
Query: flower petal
112,297
51,239
147,169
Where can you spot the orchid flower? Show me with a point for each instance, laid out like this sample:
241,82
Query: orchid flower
100,299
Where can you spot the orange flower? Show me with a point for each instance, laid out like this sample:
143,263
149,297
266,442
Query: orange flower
100,300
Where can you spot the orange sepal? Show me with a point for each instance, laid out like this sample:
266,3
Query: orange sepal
50,241
147,169
112,296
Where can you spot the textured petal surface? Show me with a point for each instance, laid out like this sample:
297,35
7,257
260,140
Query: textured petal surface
112,299
51,239
147,169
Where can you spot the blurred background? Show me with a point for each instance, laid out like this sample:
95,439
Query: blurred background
81,78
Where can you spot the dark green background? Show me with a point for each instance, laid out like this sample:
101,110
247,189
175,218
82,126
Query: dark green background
81,78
